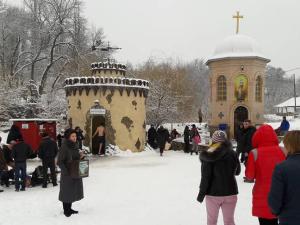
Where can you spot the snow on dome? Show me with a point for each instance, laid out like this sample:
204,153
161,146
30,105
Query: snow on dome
237,46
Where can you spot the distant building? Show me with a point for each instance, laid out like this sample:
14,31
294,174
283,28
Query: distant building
237,80
288,107
107,97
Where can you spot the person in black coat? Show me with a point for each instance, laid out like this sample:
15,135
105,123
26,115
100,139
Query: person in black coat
187,138
163,137
246,140
59,138
80,137
71,189
219,166
284,195
14,134
21,152
47,152
152,134
239,138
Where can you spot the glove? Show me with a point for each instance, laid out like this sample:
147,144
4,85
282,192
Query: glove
200,197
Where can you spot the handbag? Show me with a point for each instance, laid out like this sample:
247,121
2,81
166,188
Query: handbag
167,146
79,168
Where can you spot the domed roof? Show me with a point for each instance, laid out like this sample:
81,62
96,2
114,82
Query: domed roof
237,46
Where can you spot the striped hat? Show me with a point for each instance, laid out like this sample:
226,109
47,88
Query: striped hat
219,136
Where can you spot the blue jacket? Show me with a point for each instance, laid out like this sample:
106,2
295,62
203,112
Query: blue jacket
285,125
284,196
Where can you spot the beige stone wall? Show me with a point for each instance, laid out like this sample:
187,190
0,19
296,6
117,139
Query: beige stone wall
231,68
127,136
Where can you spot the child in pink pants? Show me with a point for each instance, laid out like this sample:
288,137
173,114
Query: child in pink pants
218,186
226,203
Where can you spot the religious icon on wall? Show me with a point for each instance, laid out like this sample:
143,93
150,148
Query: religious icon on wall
241,88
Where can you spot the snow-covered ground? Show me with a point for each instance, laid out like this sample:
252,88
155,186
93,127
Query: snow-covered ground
127,189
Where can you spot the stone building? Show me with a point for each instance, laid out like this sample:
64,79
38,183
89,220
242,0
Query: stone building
108,97
237,77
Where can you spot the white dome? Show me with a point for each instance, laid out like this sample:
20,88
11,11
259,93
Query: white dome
237,46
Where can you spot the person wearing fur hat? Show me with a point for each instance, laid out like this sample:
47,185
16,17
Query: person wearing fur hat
219,166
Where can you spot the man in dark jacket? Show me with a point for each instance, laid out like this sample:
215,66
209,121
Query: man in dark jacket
21,152
284,127
47,152
152,137
162,137
246,142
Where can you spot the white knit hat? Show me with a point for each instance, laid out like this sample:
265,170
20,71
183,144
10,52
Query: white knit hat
219,136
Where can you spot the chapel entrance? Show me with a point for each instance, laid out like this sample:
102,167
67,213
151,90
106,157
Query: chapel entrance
240,114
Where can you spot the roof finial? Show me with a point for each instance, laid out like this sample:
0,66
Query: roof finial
237,17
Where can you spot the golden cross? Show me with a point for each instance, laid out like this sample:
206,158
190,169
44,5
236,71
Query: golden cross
237,17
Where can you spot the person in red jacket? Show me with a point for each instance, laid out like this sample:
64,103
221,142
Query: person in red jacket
260,165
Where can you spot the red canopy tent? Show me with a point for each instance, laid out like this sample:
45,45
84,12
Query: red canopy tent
32,128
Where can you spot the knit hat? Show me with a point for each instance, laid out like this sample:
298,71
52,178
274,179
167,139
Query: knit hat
219,136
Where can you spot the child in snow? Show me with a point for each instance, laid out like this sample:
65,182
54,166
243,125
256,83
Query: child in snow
219,166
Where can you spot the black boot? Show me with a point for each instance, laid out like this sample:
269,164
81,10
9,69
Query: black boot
74,211
67,209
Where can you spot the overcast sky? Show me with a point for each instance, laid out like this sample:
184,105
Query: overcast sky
189,29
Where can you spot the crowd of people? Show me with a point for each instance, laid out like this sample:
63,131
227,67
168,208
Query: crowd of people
14,156
273,170
161,137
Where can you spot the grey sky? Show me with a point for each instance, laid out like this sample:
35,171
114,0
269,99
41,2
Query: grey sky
188,29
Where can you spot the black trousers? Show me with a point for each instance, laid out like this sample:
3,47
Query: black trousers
67,207
263,221
20,175
49,163
161,149
187,146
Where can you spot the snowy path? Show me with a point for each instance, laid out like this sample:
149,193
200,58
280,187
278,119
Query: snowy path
135,189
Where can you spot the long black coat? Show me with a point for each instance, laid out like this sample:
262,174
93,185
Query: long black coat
71,190
162,137
284,196
218,170
246,142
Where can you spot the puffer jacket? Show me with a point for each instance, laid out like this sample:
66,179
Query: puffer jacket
260,165
219,166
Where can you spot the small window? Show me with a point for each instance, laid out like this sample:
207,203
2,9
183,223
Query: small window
258,89
221,89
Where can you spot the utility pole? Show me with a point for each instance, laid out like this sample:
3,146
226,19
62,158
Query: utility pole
295,95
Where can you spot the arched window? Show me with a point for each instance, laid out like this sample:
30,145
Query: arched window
221,89
258,89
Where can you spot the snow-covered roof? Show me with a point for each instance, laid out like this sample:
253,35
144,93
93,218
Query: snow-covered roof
289,103
32,120
237,46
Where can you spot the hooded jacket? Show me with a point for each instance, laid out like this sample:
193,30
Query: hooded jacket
260,165
219,166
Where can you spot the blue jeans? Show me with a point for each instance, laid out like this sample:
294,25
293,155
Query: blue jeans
20,174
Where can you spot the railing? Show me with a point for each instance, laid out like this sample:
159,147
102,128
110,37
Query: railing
106,81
